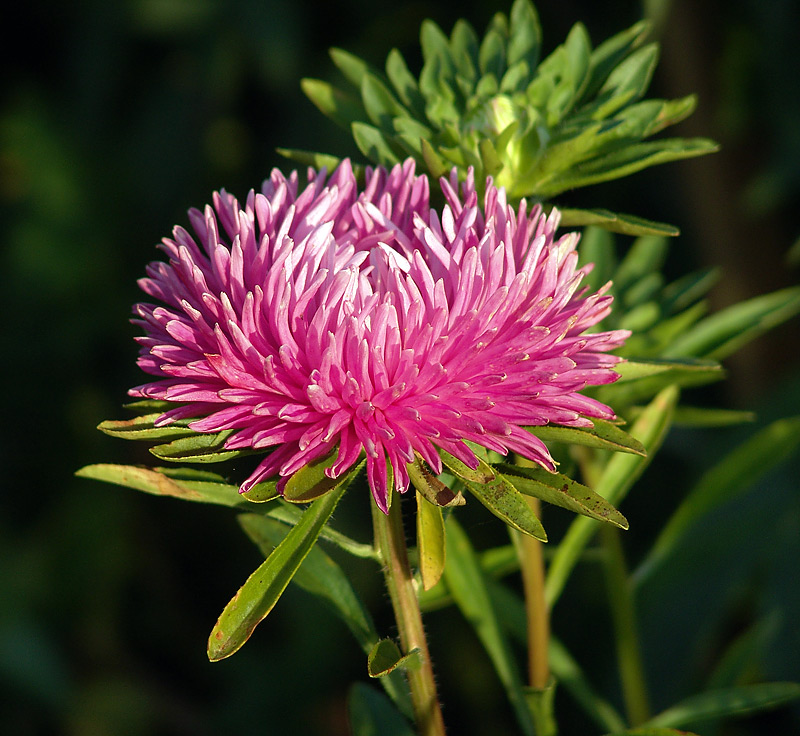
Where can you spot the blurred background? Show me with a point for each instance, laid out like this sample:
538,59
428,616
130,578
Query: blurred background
115,118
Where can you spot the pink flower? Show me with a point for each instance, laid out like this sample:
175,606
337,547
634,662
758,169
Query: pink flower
325,317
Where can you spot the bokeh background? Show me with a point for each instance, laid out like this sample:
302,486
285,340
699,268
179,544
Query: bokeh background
115,117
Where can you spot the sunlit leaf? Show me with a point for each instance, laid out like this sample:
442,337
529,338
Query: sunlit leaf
256,598
560,490
615,222
430,541
198,448
603,436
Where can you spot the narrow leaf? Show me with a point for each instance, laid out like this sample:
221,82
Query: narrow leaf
351,66
404,83
318,575
611,52
525,41
373,144
256,598
143,428
734,701
157,482
560,490
199,448
725,332
339,106
315,160
617,478
737,472
616,222
466,581
603,436
700,416
430,541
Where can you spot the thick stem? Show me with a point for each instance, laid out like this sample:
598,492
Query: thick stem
629,655
391,542
532,564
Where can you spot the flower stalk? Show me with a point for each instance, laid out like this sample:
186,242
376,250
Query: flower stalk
391,543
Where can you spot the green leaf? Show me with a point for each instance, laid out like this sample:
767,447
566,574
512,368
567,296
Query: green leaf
734,475
385,657
158,482
735,701
374,145
143,428
199,448
339,106
430,541
380,104
351,66
525,41
405,84
467,583
611,52
627,161
560,490
743,656
492,55
646,256
315,160
498,495
603,436
616,222
627,82
372,714
684,292
256,598
616,480
725,332
569,674
697,416
318,575
597,247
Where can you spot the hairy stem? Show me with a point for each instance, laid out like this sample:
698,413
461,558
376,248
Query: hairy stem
391,542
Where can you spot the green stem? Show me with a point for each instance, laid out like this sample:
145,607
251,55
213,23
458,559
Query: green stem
391,542
623,612
532,565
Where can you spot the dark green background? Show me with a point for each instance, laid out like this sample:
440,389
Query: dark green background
117,117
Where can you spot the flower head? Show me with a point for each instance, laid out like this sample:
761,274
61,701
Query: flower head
328,317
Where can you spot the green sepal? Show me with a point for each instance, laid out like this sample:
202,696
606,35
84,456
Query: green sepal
143,428
431,487
259,594
499,496
430,542
616,222
311,482
560,490
385,657
730,702
603,436
199,448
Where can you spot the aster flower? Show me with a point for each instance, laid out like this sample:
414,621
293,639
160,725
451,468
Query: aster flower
326,319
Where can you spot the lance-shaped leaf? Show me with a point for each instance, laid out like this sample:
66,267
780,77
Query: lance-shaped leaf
182,483
603,436
562,491
385,657
143,428
722,483
256,598
468,585
313,159
701,416
339,106
616,222
725,332
500,497
318,575
617,478
199,448
734,701
430,541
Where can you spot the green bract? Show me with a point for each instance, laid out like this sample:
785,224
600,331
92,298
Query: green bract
539,128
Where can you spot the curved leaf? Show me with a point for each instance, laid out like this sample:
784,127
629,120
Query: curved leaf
256,598
603,436
143,428
199,448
